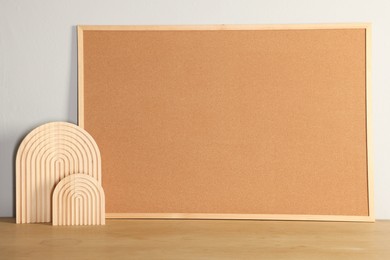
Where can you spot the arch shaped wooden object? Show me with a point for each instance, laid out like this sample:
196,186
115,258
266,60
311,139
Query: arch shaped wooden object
46,155
78,199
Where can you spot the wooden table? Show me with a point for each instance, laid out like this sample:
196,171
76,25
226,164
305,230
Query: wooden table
196,239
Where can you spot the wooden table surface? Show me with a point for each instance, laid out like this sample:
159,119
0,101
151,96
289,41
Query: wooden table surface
196,239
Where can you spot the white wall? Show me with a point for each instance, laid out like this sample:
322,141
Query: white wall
38,66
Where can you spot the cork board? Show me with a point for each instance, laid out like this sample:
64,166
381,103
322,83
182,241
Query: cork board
240,122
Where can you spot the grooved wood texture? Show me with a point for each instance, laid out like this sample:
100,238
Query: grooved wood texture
48,154
230,121
78,199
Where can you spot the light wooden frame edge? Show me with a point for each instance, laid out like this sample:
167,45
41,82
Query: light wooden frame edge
369,142
336,218
370,177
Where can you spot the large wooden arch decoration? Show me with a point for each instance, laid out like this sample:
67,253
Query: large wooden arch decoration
48,154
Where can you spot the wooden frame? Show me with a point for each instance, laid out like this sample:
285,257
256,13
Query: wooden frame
367,27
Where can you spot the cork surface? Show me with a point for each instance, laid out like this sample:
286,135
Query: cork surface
235,122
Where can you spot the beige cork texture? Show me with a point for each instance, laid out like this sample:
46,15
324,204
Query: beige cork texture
229,121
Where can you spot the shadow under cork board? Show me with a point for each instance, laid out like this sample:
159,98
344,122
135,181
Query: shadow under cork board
230,121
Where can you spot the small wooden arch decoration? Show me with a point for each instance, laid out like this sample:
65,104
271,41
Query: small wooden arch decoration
78,199
48,154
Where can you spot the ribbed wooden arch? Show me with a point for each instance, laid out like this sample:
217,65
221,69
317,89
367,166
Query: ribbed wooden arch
48,154
78,199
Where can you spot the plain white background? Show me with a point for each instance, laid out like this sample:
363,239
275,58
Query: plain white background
38,60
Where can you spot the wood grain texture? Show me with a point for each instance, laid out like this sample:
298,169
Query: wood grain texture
223,27
46,155
370,150
78,199
239,216
197,239
240,121
80,67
